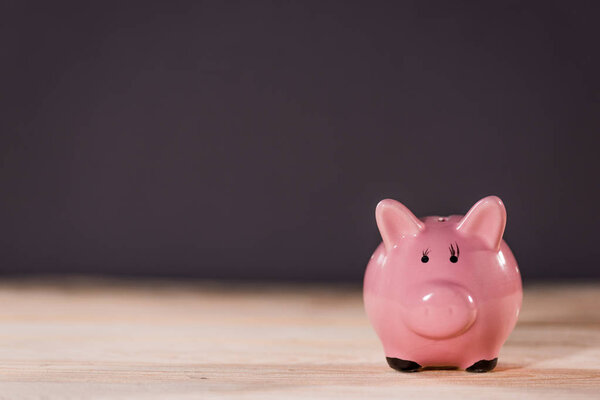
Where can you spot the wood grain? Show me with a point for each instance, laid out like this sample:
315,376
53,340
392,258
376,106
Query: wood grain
99,339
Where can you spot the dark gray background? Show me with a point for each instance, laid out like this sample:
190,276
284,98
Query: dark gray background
254,139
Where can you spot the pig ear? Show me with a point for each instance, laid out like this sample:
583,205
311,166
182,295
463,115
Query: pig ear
486,219
395,222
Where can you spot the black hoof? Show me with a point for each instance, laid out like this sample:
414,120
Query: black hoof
402,365
483,365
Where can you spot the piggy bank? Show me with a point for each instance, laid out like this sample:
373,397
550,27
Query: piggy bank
442,291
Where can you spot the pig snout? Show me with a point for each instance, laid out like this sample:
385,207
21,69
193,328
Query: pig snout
438,311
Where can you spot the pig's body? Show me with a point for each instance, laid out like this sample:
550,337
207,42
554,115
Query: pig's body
440,312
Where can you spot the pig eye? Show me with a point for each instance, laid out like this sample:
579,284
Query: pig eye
425,258
454,253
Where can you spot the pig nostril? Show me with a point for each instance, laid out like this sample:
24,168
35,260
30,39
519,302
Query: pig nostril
442,219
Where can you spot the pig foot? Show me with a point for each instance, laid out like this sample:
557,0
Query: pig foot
483,365
403,365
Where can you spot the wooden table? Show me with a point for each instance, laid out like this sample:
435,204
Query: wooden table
73,338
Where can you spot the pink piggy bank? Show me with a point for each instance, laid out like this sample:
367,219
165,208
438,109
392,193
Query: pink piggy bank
442,291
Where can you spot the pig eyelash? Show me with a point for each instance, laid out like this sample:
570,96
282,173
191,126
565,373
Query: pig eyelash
426,252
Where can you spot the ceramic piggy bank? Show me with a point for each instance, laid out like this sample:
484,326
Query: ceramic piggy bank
442,291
